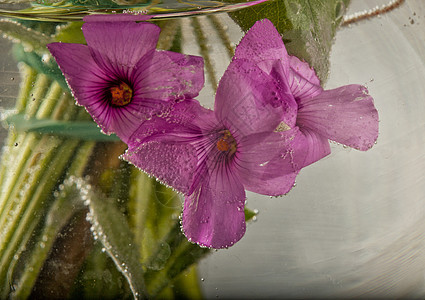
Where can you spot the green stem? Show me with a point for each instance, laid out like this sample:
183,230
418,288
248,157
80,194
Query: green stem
183,255
28,76
187,284
11,192
4,286
20,158
63,208
222,34
38,163
169,29
140,191
202,42
33,201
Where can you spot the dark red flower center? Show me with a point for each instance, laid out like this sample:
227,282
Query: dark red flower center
227,142
121,94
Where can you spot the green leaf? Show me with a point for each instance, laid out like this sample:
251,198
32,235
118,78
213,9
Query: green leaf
70,33
183,254
45,65
83,130
250,214
110,227
307,27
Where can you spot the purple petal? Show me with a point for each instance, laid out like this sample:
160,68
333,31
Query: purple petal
173,164
184,120
170,75
116,17
213,215
248,100
275,186
262,42
78,66
262,164
118,46
269,164
123,121
311,148
345,115
162,146
88,83
303,80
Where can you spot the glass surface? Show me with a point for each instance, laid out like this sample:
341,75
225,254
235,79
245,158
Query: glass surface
354,224
52,10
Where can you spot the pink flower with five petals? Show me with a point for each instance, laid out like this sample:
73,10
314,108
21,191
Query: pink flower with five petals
121,79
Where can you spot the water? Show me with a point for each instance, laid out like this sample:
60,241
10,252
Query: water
354,224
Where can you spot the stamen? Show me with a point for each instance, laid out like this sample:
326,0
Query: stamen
222,145
121,95
227,142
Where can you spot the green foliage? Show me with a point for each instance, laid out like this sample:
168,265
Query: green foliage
70,33
41,65
111,228
83,130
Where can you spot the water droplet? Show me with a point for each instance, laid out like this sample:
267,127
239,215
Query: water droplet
202,279
45,57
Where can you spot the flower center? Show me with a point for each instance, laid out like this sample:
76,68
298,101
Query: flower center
227,142
121,94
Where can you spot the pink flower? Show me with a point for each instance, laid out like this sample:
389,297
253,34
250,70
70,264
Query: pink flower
121,79
210,156
345,115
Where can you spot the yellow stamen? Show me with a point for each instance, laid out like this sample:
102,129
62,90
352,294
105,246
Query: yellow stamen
222,145
227,142
121,94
